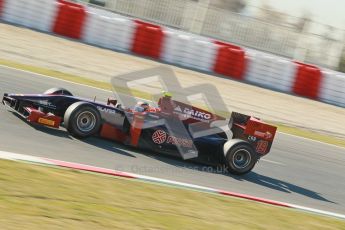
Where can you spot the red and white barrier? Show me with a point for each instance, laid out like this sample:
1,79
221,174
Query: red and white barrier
230,60
1,7
188,50
307,80
147,39
70,19
271,72
15,11
333,88
38,14
110,30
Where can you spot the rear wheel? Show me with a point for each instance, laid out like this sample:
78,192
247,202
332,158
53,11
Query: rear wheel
58,91
241,158
82,120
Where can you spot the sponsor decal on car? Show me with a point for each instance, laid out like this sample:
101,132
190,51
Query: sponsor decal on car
193,113
106,110
252,138
178,109
160,137
45,121
45,103
261,146
266,135
180,141
197,114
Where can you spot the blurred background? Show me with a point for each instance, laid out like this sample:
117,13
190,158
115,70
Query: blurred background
310,32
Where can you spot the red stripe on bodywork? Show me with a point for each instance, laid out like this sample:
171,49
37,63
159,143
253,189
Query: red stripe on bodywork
109,131
136,127
46,119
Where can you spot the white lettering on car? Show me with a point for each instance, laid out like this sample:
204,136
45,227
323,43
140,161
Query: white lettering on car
197,114
106,110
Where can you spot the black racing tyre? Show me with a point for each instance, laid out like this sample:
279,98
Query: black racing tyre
241,158
58,91
82,119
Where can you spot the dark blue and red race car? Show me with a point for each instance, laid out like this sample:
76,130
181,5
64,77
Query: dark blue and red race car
172,127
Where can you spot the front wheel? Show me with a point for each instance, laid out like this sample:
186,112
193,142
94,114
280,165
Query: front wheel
240,158
82,119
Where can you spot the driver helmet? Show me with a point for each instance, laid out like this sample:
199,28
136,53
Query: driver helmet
142,106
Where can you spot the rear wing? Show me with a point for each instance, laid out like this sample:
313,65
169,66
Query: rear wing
258,133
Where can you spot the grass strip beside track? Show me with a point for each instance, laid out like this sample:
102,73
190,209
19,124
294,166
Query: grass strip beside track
39,197
310,135
106,86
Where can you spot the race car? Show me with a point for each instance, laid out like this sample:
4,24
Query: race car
171,127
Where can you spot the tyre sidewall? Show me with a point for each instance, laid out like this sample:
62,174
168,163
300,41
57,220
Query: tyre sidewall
231,153
71,115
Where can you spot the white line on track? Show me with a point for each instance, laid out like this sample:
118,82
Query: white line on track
273,162
42,75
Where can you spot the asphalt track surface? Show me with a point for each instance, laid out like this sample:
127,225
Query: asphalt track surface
297,170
